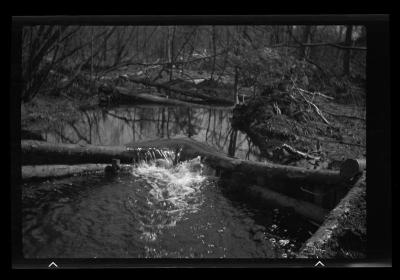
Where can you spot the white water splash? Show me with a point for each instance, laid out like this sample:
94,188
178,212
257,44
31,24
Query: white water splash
176,188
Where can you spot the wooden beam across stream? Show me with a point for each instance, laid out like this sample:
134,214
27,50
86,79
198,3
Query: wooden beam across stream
40,152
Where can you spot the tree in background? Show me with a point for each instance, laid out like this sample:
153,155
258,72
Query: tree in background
69,59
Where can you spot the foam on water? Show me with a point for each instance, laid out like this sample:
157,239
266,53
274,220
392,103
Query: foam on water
157,211
176,190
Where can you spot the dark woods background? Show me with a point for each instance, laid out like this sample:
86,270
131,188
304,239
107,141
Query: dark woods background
60,59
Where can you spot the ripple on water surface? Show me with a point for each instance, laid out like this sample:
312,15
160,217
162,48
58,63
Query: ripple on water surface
151,212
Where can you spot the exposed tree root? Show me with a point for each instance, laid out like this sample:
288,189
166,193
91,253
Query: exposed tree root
317,110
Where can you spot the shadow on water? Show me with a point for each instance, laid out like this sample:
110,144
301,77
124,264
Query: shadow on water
123,125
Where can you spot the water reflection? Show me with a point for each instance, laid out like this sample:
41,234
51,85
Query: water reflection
123,125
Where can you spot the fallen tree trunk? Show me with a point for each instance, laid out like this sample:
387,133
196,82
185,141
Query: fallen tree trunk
349,215
322,177
29,172
190,93
303,208
38,152
217,159
49,171
352,167
125,96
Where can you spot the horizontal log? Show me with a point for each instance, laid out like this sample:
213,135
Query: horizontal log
323,244
49,171
124,95
38,152
352,167
29,172
191,93
303,208
217,159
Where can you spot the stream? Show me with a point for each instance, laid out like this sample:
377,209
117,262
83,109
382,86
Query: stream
154,211
124,125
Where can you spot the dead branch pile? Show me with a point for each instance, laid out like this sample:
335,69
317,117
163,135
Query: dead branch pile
287,125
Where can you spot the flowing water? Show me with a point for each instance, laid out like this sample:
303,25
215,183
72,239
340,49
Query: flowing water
151,211
156,209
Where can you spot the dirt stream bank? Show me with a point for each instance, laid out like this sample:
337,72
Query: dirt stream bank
343,234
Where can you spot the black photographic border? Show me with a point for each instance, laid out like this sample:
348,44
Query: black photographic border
379,199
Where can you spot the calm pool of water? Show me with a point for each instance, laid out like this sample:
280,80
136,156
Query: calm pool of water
124,125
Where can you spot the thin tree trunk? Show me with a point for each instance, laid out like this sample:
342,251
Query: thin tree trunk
137,39
189,123
305,40
232,143
91,59
214,50
105,50
171,52
235,86
347,54
168,122
162,121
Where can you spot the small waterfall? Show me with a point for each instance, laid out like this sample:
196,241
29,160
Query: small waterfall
152,154
174,187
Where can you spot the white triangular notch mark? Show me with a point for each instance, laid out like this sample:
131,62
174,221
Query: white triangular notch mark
53,264
319,263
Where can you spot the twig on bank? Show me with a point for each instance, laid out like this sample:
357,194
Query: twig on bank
317,110
292,150
315,93
346,116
